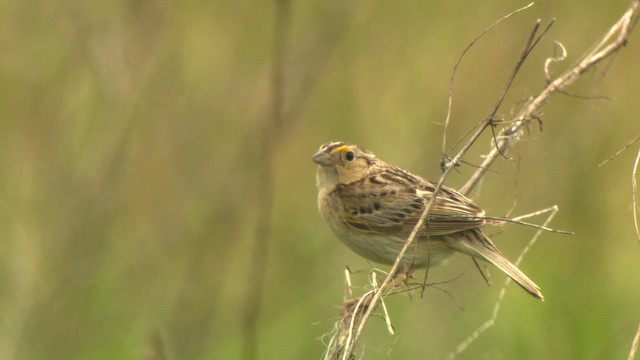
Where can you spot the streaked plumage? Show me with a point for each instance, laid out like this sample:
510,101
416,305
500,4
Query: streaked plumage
373,206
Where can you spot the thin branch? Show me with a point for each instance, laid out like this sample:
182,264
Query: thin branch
634,345
634,195
498,220
619,151
455,69
554,59
601,50
496,308
523,223
634,186
529,44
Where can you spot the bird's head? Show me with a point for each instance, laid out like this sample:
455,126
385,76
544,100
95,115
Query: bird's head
342,163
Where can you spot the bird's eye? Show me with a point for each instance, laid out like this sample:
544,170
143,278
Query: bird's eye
349,155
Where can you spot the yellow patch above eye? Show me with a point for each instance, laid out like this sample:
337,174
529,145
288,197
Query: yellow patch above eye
342,148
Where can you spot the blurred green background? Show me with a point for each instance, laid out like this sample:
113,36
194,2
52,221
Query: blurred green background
131,159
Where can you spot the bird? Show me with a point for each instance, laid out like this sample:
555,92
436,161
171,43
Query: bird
372,206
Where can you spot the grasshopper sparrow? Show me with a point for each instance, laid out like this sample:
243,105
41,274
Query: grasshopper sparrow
373,206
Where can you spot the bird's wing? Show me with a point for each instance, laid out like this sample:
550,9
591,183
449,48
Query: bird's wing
392,202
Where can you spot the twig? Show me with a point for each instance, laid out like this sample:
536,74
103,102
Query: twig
387,319
601,50
455,68
497,220
530,44
496,308
554,59
634,186
634,195
524,223
619,151
634,345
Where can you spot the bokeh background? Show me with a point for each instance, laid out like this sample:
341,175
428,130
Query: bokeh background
133,155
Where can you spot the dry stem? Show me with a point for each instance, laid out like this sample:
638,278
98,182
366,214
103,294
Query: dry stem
496,308
634,345
603,49
634,185
634,195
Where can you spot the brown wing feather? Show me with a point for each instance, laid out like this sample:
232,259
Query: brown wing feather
388,204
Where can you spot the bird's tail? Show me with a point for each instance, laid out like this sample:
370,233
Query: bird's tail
475,243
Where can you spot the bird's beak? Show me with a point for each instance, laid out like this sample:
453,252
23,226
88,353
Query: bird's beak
322,158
